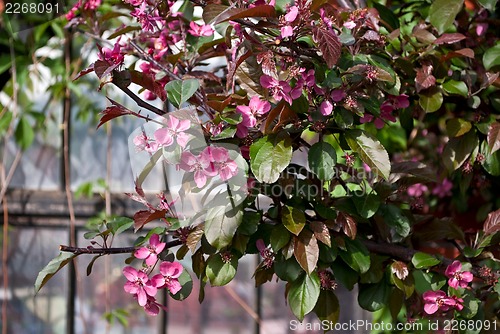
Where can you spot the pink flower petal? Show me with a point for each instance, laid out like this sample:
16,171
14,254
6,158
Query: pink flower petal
171,269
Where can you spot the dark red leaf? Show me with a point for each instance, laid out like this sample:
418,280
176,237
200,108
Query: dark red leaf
143,217
103,68
306,250
283,113
492,223
148,82
116,110
232,13
84,72
494,137
209,76
321,232
266,59
466,52
449,38
328,43
424,78
347,224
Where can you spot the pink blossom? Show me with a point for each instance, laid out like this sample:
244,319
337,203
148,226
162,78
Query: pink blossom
286,31
138,284
223,165
337,95
92,4
443,189
146,18
134,2
200,30
150,253
152,307
114,56
349,24
256,107
457,277
168,277
143,143
481,28
326,108
278,88
379,122
292,14
173,131
417,190
265,253
200,165
437,300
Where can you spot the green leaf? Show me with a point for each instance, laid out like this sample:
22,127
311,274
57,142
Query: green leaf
356,255
91,264
431,102
492,163
458,150
279,237
423,260
387,16
491,57
322,159
306,250
24,133
219,272
367,205
303,295
443,13
397,221
488,4
221,224
5,121
269,156
344,274
456,87
120,224
179,91
373,297
370,151
294,219
52,268
328,308
288,270
457,127
425,281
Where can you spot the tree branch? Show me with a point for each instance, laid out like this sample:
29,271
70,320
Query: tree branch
107,251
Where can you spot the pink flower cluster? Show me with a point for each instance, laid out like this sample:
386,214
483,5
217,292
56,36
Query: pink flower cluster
210,162
386,110
144,288
439,300
255,108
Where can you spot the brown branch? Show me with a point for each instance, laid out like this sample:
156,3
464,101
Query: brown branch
107,251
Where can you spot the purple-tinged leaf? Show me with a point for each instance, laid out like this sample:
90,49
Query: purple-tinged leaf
306,251
328,43
84,72
494,137
424,78
449,38
492,222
